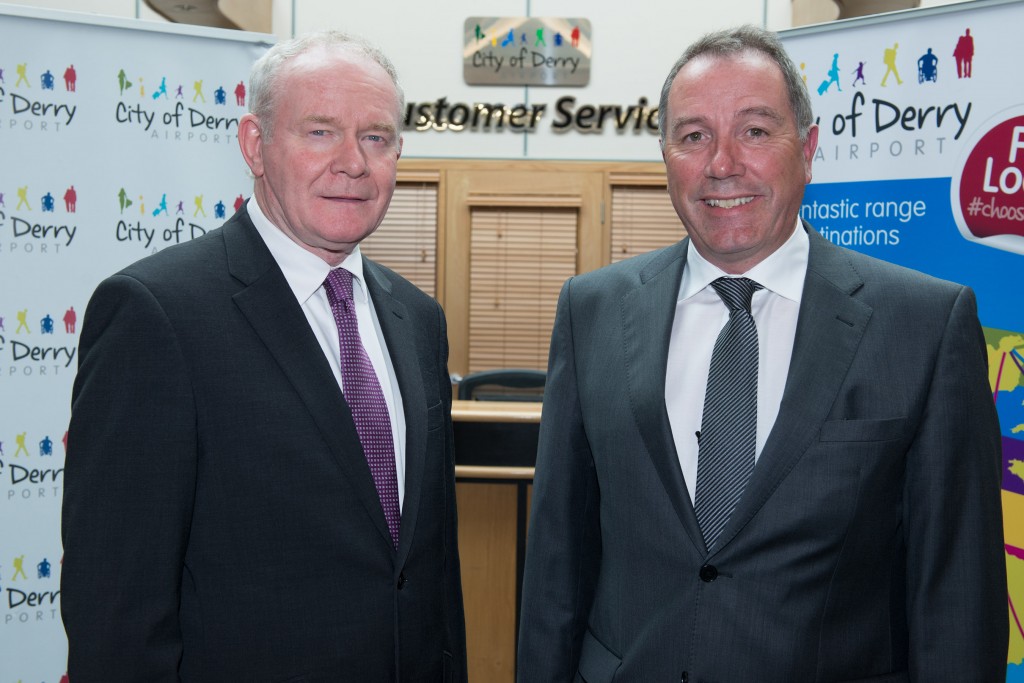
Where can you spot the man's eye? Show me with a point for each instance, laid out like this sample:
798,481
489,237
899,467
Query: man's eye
694,137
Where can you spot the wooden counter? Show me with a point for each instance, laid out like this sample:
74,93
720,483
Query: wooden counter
495,449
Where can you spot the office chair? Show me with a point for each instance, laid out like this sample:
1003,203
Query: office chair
508,384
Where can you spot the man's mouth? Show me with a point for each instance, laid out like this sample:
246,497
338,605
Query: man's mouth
728,203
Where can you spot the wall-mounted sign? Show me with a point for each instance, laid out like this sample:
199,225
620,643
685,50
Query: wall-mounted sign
526,51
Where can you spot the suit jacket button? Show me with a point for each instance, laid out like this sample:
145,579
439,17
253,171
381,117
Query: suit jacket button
401,581
708,573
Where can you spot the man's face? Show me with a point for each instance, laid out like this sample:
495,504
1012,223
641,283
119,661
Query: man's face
326,176
736,165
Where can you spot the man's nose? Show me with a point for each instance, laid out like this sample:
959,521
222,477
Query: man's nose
350,158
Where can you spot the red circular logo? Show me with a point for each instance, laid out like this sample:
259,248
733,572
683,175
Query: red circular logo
989,194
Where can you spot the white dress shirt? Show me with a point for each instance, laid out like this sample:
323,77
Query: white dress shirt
305,273
699,309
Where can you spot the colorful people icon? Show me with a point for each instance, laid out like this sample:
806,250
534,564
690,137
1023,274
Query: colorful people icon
46,324
46,446
142,88
64,441
19,568
220,95
889,59
239,200
162,207
964,53
478,33
523,40
181,208
23,198
178,94
219,209
558,39
510,39
197,90
22,70
575,36
46,80
539,42
19,442
70,199
70,318
858,74
161,89
142,206
43,569
23,322
198,200
122,199
833,76
927,67
240,94
122,81
47,202
70,77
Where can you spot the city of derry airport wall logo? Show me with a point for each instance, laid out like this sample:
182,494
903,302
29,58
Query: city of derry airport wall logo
31,587
178,109
38,98
37,343
160,219
38,218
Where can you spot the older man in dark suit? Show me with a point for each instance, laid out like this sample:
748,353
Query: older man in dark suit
260,483
762,457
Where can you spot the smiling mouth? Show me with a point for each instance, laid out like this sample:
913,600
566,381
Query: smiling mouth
728,203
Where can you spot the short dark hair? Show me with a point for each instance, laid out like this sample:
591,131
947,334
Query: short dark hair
736,41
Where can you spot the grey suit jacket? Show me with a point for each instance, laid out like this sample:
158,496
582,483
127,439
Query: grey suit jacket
220,521
868,542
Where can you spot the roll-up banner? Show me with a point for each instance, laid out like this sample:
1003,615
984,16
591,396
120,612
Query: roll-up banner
920,162
117,140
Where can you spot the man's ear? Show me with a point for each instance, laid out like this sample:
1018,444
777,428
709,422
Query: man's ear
250,141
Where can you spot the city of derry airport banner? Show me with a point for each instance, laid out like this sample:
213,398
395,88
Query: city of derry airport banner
920,162
117,139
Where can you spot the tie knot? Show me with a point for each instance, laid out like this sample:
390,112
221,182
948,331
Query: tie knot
736,292
339,285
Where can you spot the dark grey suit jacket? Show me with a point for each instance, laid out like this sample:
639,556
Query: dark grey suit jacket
867,544
220,522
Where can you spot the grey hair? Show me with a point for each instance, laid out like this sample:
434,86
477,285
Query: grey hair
732,42
263,77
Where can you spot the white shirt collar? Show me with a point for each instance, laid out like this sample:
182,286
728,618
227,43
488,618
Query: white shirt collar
783,272
304,271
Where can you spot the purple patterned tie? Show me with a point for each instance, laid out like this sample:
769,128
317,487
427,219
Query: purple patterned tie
365,398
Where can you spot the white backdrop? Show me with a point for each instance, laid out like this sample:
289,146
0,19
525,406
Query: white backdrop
77,143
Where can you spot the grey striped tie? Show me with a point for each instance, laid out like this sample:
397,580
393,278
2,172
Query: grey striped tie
728,430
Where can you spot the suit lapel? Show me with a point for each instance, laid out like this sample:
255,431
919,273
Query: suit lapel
646,332
402,336
830,326
268,304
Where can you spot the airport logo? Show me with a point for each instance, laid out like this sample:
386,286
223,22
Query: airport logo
162,219
38,98
178,109
39,219
30,586
38,344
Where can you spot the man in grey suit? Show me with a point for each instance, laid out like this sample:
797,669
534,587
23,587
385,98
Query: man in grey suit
260,483
833,517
